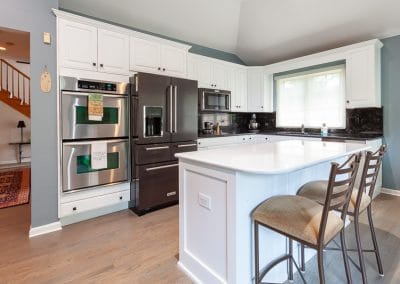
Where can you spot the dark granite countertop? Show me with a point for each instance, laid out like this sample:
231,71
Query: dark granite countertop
349,136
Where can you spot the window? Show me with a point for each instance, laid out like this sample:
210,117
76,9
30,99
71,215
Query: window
311,98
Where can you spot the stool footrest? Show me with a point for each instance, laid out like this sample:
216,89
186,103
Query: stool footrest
275,262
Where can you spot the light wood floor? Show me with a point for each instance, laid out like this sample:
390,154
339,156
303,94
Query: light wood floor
124,248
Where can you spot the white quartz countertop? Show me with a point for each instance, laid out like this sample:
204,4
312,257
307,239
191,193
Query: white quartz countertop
273,158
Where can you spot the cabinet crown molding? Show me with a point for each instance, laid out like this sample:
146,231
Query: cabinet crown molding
107,26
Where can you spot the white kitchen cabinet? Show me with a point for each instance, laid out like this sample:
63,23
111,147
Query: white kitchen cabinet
363,77
77,45
158,58
238,90
113,51
210,73
86,47
259,90
145,55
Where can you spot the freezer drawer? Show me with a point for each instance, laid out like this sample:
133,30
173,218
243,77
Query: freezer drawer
77,172
181,147
75,122
152,153
158,185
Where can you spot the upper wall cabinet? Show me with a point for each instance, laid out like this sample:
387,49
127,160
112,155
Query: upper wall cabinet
238,83
154,57
211,74
363,77
72,54
259,90
86,47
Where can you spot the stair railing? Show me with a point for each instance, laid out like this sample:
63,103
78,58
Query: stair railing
10,73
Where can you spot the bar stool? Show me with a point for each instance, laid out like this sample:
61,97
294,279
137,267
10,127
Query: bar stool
306,221
359,202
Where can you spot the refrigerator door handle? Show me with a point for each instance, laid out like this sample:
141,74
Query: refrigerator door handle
175,110
170,108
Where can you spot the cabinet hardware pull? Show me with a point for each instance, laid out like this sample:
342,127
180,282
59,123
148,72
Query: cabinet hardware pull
176,111
157,148
159,68
101,65
74,209
94,63
186,145
172,193
163,69
161,167
170,108
120,198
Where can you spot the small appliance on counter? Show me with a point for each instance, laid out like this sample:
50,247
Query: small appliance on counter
253,124
163,123
208,128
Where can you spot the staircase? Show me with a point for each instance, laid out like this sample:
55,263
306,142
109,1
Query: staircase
15,88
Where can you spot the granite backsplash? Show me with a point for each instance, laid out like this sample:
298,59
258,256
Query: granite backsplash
359,120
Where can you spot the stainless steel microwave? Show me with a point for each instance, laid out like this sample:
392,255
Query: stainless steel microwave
214,100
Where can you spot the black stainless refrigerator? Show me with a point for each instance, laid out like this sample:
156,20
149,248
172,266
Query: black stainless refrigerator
163,122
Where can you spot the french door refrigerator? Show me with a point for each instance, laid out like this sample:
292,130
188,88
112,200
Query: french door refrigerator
164,122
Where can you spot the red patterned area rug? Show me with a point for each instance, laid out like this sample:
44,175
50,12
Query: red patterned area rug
14,187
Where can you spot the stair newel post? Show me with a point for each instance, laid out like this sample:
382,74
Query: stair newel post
22,102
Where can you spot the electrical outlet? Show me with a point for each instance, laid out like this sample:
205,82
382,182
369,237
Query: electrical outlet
205,201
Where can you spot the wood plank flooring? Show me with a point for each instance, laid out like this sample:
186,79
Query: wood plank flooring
124,248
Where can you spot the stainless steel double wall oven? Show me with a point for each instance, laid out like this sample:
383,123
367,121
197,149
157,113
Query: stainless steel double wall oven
79,133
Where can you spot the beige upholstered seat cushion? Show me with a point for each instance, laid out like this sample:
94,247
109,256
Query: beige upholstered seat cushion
316,190
298,217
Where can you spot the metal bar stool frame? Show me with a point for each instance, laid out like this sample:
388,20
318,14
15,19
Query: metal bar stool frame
373,162
333,201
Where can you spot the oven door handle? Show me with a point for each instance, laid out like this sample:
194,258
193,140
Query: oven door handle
90,142
161,167
79,94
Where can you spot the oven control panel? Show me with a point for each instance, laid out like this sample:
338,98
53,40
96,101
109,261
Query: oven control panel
99,86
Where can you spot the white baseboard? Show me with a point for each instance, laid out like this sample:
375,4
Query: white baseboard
390,191
188,273
45,229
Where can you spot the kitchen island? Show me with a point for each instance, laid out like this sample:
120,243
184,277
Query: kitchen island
218,190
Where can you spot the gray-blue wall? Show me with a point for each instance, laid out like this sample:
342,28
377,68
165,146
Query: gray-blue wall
391,110
197,49
36,17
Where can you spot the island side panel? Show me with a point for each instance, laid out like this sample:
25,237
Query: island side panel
204,222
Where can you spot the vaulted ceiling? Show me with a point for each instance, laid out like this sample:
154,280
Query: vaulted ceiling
258,31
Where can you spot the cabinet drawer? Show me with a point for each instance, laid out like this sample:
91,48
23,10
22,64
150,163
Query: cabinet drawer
154,153
83,205
158,184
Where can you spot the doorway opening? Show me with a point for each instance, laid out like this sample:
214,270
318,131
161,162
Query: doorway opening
15,128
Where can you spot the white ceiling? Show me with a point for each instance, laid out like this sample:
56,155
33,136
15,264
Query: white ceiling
16,43
258,31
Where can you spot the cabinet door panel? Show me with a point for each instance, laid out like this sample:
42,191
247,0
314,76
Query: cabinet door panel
145,56
204,76
219,76
113,52
77,45
240,90
360,89
255,90
173,61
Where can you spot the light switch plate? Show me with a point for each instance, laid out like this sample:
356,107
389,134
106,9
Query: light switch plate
46,38
205,201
